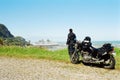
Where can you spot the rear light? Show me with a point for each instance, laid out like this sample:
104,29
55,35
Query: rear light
112,48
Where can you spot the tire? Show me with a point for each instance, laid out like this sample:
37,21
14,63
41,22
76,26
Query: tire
75,58
111,63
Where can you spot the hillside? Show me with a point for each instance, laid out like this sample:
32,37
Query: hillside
6,38
4,32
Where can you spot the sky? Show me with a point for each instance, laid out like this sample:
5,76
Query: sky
51,19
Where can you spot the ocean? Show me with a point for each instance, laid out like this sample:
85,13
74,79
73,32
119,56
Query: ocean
96,44
100,43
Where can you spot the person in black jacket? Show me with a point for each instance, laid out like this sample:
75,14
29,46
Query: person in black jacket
71,40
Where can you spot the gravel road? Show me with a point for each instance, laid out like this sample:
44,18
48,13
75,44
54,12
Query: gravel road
39,69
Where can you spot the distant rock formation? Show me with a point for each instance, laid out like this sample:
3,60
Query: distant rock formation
4,32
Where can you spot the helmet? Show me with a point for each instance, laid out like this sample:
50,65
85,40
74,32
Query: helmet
87,38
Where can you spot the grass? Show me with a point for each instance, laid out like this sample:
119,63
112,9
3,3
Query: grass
41,53
34,52
117,57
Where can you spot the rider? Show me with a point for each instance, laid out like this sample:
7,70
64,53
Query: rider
71,40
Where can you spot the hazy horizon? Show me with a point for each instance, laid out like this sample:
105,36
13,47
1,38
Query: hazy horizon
51,19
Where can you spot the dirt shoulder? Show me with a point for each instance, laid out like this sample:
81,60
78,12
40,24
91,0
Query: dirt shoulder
37,69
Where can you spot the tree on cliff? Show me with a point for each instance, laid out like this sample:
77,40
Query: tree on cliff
6,38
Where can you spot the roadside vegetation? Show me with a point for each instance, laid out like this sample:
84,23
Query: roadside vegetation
34,52
117,57
42,53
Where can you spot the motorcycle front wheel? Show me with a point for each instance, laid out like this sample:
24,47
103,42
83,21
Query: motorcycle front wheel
110,63
75,58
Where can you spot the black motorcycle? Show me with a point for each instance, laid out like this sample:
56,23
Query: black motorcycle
89,55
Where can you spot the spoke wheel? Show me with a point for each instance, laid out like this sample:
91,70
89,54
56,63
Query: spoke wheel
110,63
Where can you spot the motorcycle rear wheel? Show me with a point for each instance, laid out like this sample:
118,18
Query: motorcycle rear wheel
111,63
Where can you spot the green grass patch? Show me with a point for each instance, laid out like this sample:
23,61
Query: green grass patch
34,52
117,57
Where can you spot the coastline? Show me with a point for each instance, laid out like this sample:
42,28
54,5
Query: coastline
62,45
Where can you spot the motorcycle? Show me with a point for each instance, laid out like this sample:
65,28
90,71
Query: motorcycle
89,55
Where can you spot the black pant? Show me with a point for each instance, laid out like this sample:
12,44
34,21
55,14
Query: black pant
71,49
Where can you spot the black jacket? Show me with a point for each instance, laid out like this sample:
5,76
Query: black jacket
71,38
